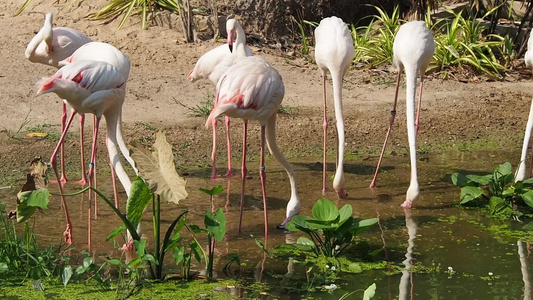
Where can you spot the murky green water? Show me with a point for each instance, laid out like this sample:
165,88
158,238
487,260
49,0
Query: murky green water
451,248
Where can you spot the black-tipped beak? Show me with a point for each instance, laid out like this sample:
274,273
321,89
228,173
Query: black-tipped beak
230,48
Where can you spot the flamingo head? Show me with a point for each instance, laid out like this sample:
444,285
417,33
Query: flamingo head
231,29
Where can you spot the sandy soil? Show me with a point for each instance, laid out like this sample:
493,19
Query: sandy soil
455,112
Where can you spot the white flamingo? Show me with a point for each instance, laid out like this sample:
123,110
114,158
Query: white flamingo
95,87
50,46
253,90
413,49
212,65
521,173
334,52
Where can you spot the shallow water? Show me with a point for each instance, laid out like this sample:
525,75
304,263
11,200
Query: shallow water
434,234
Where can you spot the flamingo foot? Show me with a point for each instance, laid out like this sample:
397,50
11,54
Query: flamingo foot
229,174
63,179
372,184
68,234
407,204
83,181
342,194
324,190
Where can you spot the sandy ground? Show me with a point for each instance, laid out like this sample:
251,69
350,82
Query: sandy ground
455,113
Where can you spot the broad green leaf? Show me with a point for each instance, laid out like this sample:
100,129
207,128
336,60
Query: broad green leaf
216,224
178,254
66,274
149,257
325,210
305,244
30,201
498,206
80,270
214,191
481,180
505,168
158,170
469,193
299,223
345,212
196,251
528,182
370,292
528,197
87,262
3,267
459,179
354,268
138,201
359,225
117,231
139,247
114,262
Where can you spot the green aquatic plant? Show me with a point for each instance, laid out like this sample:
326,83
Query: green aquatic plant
496,191
331,230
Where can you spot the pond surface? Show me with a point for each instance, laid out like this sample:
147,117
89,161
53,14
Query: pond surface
453,252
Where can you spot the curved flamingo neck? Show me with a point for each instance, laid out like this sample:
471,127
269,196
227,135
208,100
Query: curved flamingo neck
411,72
240,41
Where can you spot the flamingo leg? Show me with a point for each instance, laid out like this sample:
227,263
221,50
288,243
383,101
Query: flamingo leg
214,153
243,170
91,176
325,127
419,105
63,178
262,174
96,124
393,116
228,140
83,180
68,231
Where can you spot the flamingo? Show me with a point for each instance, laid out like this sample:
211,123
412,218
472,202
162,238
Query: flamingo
413,49
50,46
521,173
407,275
95,87
253,90
212,65
334,52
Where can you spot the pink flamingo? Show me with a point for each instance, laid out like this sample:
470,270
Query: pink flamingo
413,49
253,90
521,173
95,87
50,46
212,65
334,52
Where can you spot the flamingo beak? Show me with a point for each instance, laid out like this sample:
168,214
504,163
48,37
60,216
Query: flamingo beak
230,41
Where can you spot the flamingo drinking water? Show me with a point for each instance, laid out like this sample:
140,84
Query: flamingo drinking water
334,52
413,49
253,90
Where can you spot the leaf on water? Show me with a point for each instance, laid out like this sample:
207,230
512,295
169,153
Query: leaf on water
158,170
370,292
214,191
216,224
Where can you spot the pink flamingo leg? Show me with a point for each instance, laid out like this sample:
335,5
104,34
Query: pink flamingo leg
214,153
262,174
325,127
243,170
63,179
68,231
228,140
393,115
83,180
91,173
96,124
417,123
